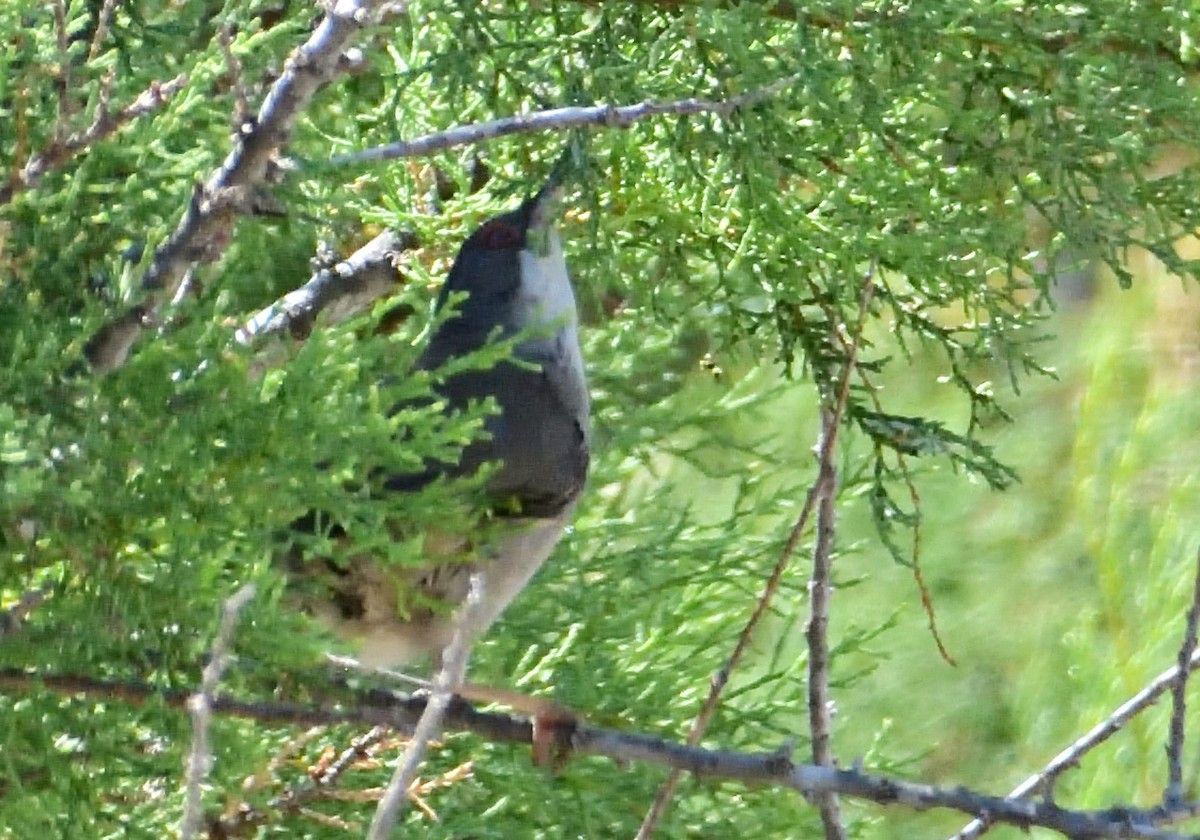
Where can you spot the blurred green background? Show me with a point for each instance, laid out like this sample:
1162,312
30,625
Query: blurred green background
1058,598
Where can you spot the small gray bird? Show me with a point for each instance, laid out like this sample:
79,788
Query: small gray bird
513,271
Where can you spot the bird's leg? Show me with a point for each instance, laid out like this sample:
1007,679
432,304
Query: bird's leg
549,719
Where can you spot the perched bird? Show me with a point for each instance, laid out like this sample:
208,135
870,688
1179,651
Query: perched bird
515,276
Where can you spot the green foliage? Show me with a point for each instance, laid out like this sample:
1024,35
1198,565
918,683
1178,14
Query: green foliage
957,154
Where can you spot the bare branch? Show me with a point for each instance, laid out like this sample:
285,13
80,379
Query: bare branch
558,119
398,711
339,292
201,706
820,590
207,225
449,676
1070,757
1173,795
104,124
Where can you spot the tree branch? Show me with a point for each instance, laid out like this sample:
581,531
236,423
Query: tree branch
207,225
820,589
103,22
340,292
558,119
382,708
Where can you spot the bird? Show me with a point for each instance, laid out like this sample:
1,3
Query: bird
514,273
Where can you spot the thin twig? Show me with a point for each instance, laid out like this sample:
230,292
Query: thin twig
359,749
558,119
239,821
63,76
666,791
754,769
1174,792
821,582
201,707
1070,757
345,663
914,495
104,124
241,102
449,676
103,22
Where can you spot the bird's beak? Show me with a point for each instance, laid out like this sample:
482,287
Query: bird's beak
547,207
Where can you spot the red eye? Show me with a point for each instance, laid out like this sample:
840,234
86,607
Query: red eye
498,235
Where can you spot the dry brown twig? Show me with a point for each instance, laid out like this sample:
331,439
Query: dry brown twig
243,819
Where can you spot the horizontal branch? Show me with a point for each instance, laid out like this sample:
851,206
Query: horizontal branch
558,119
384,708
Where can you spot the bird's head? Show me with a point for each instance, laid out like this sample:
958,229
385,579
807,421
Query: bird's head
513,271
